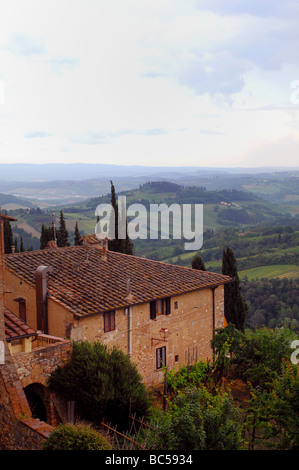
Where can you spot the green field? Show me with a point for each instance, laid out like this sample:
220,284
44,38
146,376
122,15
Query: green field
290,271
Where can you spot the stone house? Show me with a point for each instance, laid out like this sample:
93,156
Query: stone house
155,312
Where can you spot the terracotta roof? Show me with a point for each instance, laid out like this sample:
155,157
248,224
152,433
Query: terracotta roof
88,283
15,327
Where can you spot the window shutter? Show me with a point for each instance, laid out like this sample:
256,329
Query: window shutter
112,320
153,310
106,322
22,310
167,305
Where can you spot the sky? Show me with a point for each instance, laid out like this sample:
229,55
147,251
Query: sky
207,83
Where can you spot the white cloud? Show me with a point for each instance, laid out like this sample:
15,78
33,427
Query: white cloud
147,82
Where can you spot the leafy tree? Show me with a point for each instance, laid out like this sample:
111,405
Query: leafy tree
198,420
234,306
103,384
77,235
197,263
62,233
188,375
75,437
272,415
255,356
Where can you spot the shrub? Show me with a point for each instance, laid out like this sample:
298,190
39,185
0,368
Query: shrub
75,437
255,355
104,384
192,375
197,420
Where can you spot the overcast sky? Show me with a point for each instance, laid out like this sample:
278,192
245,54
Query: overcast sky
150,82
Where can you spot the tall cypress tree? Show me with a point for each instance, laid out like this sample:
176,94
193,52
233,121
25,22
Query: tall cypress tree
22,249
119,245
235,307
62,233
77,235
16,245
8,236
47,234
197,263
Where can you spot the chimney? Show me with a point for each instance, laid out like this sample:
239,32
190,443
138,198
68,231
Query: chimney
41,297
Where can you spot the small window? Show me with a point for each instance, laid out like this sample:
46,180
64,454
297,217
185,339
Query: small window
22,308
161,357
176,305
176,358
160,307
109,321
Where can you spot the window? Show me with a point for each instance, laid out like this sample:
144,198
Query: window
160,357
176,358
160,307
109,321
22,310
176,305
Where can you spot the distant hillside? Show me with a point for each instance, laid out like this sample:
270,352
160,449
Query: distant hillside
60,184
8,201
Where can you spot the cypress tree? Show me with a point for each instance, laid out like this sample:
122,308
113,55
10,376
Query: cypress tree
8,236
235,307
197,263
43,237
119,245
77,235
47,234
16,245
22,249
62,233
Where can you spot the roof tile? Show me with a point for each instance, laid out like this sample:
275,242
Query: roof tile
87,283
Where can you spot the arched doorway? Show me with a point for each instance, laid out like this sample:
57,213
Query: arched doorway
36,397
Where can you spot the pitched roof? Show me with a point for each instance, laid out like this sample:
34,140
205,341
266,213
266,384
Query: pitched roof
87,283
15,327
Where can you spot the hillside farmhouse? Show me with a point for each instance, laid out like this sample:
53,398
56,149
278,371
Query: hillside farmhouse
157,313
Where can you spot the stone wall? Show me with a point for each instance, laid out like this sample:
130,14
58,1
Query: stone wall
18,430
36,366
190,328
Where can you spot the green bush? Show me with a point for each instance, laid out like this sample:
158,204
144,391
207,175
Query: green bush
198,420
255,356
104,384
188,375
75,437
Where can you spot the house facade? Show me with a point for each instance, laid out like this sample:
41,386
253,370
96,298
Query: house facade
159,314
